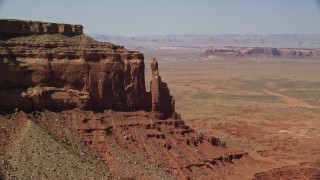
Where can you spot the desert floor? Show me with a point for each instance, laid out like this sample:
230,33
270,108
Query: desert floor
269,108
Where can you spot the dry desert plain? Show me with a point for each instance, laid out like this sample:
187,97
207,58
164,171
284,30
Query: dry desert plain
267,107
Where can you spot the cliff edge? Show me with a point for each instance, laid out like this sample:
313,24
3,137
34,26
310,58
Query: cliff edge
46,68
18,27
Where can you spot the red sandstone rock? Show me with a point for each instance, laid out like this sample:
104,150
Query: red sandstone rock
162,101
57,71
35,27
143,140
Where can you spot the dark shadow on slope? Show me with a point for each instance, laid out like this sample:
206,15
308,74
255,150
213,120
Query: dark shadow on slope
1,176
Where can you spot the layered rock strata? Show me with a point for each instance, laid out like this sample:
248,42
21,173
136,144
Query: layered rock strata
18,27
264,52
135,145
162,101
51,70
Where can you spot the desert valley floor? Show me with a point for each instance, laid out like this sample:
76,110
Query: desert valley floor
269,108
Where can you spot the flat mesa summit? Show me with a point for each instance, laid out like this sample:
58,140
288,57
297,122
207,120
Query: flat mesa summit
88,99
263,52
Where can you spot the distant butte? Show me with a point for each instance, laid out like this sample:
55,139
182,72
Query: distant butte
247,52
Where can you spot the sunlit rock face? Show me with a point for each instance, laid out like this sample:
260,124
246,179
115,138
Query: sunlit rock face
62,68
56,66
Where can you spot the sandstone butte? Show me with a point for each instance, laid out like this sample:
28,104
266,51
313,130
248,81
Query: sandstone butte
55,77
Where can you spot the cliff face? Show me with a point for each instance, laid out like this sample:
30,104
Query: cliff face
18,27
264,52
48,69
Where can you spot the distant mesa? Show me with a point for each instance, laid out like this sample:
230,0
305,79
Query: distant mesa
217,40
294,53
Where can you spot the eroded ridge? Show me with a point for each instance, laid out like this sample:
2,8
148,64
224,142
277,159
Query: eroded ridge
145,146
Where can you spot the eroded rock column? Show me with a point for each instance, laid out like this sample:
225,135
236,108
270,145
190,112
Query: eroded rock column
162,101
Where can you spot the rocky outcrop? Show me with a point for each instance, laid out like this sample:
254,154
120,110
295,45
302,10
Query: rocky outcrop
59,72
52,70
263,52
162,101
18,27
135,145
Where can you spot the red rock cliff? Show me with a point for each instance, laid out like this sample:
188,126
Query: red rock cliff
35,27
44,69
162,101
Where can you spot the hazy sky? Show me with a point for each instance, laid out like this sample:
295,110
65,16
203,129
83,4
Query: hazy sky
138,17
